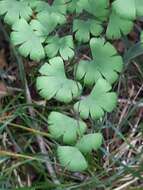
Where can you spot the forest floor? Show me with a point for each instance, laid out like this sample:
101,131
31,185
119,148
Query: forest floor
118,165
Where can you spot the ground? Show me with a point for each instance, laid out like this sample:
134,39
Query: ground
27,154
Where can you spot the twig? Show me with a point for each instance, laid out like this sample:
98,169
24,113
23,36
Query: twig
124,186
11,154
31,110
131,102
31,130
40,139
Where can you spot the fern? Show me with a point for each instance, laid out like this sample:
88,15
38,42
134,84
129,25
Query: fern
27,41
58,10
107,66
62,45
51,34
74,6
43,26
97,8
32,3
99,101
129,9
71,158
83,29
61,125
89,142
59,86
118,26
13,10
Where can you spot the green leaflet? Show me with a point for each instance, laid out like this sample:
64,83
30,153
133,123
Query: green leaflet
106,63
13,10
27,41
89,142
59,86
57,9
83,29
32,3
99,101
63,45
118,26
73,5
125,9
100,9
128,9
57,6
44,24
71,158
139,7
65,127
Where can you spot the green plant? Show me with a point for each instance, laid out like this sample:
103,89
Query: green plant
94,142
13,10
121,8
63,45
59,86
105,64
66,127
84,28
24,37
97,102
37,31
71,158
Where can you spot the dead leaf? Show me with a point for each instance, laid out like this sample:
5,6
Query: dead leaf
3,90
3,62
